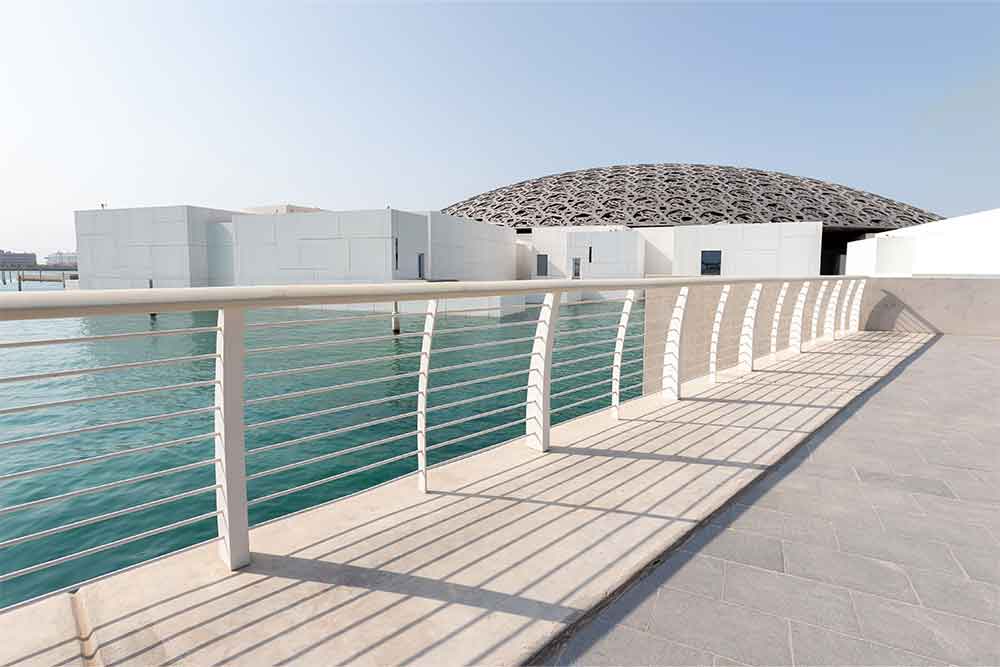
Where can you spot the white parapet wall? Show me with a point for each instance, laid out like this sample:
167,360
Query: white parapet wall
961,246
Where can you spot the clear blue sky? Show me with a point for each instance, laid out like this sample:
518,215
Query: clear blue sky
233,104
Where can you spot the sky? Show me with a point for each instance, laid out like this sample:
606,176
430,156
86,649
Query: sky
417,106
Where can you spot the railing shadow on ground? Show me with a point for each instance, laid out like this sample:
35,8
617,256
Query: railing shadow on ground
725,516
703,424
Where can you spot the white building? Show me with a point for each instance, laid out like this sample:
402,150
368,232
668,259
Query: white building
61,259
962,246
776,249
188,246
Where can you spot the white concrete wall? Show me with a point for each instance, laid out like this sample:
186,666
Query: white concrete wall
462,249
411,230
775,249
962,246
322,247
659,250
126,248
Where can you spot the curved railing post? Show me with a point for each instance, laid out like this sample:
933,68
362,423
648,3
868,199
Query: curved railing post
855,322
745,357
713,354
776,317
230,450
798,321
537,411
845,302
829,319
616,364
817,308
671,386
423,380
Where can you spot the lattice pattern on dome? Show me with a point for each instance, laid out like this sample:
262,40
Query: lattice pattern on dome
684,194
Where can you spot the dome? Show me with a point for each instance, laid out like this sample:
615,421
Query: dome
645,195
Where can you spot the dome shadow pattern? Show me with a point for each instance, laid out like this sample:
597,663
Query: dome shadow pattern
684,194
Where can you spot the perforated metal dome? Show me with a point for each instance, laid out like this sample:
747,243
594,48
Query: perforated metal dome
684,194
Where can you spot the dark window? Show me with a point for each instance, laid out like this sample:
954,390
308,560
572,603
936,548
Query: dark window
420,265
576,267
711,262
590,255
542,265
395,253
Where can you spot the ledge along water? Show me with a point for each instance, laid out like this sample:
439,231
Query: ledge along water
342,409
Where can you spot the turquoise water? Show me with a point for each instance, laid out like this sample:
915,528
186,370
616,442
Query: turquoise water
83,445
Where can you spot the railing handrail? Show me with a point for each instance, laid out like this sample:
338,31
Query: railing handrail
30,306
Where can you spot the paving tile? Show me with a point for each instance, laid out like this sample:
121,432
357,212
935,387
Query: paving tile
780,525
980,564
634,607
733,631
958,640
738,546
960,596
911,483
843,569
605,644
908,551
961,511
935,528
690,572
805,600
977,491
816,646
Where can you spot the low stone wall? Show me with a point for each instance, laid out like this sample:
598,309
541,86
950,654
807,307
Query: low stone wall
966,306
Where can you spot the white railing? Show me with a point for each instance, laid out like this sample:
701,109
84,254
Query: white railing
561,370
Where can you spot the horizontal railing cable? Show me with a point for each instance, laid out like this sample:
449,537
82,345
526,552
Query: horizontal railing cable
105,457
465,383
589,357
573,390
104,487
560,348
330,455
106,397
582,373
105,337
489,343
103,427
331,388
482,362
104,369
332,478
462,420
326,367
473,399
469,436
103,547
330,343
576,403
329,411
328,434
318,320
109,515
483,327
445,311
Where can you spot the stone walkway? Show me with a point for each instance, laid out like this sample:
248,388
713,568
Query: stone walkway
511,547
876,543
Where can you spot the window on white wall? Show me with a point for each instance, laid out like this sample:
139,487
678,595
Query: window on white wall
395,253
576,267
542,265
420,265
711,262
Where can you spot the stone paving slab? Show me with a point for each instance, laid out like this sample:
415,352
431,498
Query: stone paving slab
889,539
510,547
